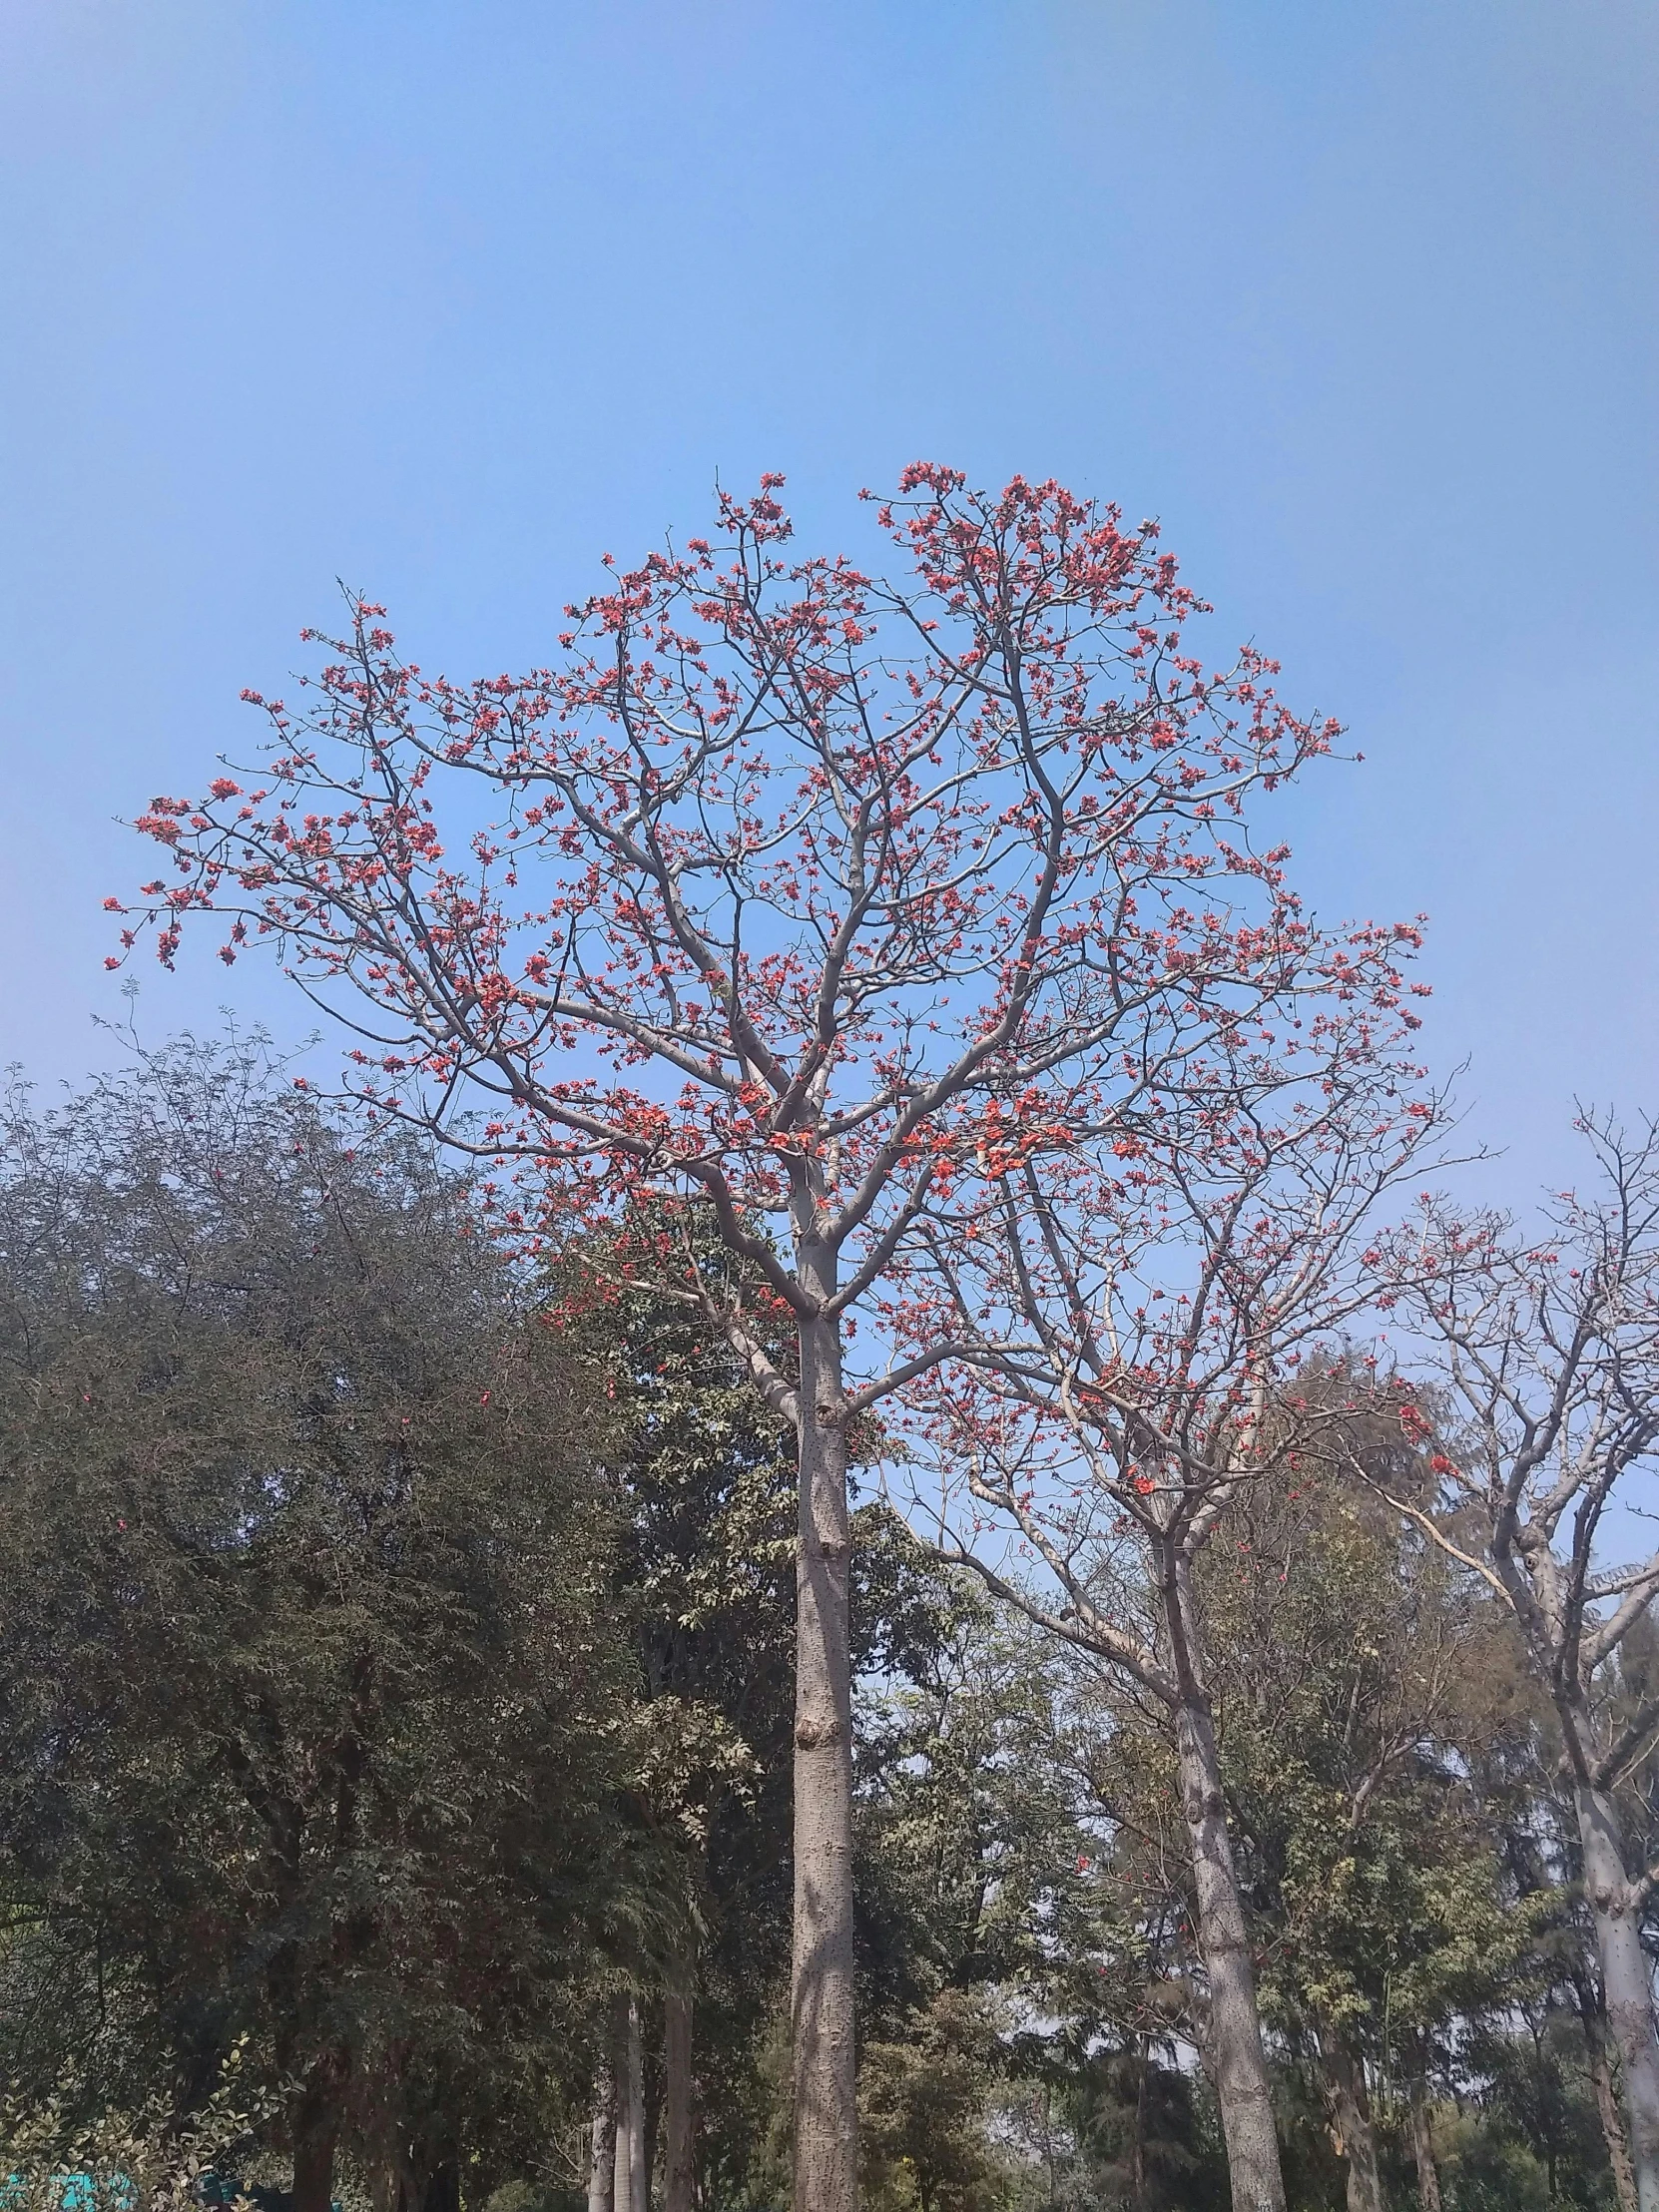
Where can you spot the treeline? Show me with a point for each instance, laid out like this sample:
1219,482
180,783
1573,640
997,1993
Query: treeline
397,1705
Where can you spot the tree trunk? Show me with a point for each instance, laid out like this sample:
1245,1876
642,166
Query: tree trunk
1592,2012
315,2121
825,2109
677,2100
637,2165
1624,1979
1423,2144
651,2110
1137,2161
630,2179
1350,2109
1240,2066
440,2189
602,2166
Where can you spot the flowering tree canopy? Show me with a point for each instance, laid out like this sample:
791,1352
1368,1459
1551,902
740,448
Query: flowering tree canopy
790,865
821,900
1132,1319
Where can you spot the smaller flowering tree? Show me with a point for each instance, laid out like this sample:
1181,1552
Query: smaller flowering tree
786,895
1141,1328
1545,1419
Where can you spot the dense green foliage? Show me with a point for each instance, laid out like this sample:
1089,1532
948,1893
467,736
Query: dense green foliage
398,1664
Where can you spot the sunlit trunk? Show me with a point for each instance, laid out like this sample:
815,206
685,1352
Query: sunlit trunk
1614,2132
602,2164
1243,2090
628,2163
826,2114
1625,1981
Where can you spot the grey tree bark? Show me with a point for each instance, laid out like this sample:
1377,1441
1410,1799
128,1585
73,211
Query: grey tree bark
1351,2109
630,2192
823,2054
1241,2069
639,2180
602,2164
651,2115
677,2099
1627,1986
1592,2013
1422,2137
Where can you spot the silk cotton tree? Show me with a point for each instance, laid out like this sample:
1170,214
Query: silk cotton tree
1143,1327
1545,1421
796,883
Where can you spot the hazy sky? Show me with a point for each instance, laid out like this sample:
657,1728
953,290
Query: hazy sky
1360,298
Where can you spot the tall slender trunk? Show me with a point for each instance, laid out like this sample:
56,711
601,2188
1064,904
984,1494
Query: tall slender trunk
628,2191
1423,2136
650,2109
1624,1978
1137,2161
1350,2109
638,2164
825,2109
602,2165
622,2160
1241,2068
1592,2012
677,2100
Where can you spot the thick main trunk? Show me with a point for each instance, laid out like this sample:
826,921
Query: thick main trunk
1594,2014
314,2121
677,2100
1241,2067
1351,2109
440,2185
1625,1983
826,2112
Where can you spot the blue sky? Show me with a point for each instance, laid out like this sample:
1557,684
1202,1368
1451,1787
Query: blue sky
1361,301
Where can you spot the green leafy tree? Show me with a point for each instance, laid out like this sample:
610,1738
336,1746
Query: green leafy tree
979,1903
310,1726
1373,1880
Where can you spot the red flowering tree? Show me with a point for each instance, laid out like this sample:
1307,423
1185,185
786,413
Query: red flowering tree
1143,1328
1545,1418
791,892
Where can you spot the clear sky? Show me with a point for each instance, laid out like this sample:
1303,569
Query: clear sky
1360,298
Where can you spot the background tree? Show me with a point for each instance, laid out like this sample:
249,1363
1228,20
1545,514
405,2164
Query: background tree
800,886
704,1589
1547,1356
1126,1324
1372,1877
974,1901
310,1726
389,1756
